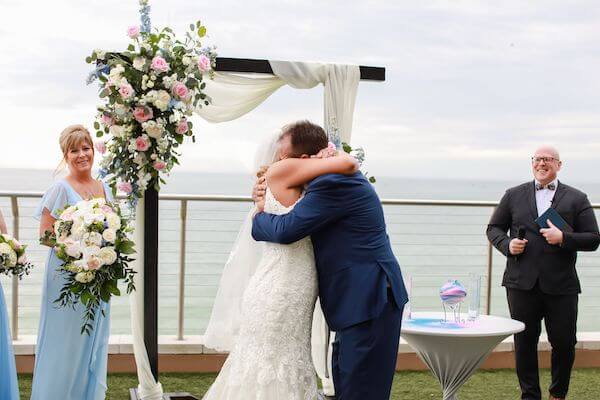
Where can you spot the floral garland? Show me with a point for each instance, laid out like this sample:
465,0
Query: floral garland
333,135
149,91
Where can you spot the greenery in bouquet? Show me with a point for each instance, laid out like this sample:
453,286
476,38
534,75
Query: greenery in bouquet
92,240
13,260
148,93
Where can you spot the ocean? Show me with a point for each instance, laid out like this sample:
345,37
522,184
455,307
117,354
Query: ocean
432,244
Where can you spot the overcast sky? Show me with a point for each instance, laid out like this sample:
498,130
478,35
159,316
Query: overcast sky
472,87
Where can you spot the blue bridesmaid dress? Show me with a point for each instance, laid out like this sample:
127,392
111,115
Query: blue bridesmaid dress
9,387
68,365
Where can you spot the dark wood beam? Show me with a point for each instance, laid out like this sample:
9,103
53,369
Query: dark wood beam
226,64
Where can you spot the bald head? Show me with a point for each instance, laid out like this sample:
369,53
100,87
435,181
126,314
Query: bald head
545,164
546,149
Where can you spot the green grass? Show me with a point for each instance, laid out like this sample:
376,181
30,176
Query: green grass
499,385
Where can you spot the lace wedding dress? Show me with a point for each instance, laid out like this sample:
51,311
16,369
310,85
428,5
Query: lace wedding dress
271,359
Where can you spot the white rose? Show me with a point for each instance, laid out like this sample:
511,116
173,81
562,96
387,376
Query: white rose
89,251
100,54
150,84
73,249
139,63
85,277
107,255
109,235
114,221
116,130
77,230
162,100
153,129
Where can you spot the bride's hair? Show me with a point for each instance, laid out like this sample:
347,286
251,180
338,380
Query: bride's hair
72,136
306,138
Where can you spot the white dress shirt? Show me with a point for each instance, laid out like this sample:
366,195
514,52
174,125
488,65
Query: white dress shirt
543,197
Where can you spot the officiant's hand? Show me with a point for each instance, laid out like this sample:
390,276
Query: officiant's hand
517,246
258,192
552,234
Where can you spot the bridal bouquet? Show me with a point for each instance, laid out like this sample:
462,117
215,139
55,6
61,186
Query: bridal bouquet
91,239
149,91
13,260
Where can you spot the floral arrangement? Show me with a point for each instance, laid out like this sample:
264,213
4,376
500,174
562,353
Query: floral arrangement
13,260
333,135
149,91
91,238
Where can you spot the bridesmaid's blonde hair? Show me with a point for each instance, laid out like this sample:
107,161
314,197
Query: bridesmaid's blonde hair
72,136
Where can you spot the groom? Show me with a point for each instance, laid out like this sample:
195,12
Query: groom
360,284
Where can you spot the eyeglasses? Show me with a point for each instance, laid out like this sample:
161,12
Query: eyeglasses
547,160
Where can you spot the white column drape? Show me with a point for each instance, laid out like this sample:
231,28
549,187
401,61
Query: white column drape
233,95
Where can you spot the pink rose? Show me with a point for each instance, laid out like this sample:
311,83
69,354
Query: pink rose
126,91
142,143
22,259
133,31
100,146
125,187
93,263
203,63
159,165
182,127
107,120
142,114
180,90
159,64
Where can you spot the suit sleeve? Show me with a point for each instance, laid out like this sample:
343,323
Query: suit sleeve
585,236
319,207
500,224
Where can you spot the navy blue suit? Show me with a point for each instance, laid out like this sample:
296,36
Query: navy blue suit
360,284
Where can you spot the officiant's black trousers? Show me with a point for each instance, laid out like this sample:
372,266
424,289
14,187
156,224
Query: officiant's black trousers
559,313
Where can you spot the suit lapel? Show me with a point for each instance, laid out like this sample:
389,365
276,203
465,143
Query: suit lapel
560,192
531,199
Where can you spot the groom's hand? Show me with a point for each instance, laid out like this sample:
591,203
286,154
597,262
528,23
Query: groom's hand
258,192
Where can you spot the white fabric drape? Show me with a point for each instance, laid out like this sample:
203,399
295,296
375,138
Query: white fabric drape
148,388
233,95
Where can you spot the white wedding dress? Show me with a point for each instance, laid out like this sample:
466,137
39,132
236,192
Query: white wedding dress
271,358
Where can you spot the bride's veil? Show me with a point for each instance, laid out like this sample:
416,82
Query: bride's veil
243,260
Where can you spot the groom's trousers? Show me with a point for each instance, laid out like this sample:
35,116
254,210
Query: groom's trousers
364,356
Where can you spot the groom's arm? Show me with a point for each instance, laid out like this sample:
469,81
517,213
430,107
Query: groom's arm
319,207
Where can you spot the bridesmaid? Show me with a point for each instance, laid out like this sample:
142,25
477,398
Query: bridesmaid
69,365
9,387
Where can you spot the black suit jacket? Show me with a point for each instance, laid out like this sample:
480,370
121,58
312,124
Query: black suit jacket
553,266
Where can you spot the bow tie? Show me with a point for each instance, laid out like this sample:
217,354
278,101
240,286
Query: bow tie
550,186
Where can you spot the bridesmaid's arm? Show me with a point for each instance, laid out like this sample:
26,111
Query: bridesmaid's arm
46,225
2,224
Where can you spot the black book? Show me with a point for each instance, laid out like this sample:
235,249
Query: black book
553,215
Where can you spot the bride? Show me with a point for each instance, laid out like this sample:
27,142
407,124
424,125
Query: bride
264,308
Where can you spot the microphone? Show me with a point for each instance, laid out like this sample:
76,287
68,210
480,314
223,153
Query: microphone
520,236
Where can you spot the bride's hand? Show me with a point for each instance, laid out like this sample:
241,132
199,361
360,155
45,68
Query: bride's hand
260,205
258,191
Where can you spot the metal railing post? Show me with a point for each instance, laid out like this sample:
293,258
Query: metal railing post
490,264
181,302
488,302
15,280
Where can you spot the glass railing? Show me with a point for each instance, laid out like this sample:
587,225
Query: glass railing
433,240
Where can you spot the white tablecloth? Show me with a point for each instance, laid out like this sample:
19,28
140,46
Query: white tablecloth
453,352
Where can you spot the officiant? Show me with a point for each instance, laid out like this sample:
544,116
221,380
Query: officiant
540,226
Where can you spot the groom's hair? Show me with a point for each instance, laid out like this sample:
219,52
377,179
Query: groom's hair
306,138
